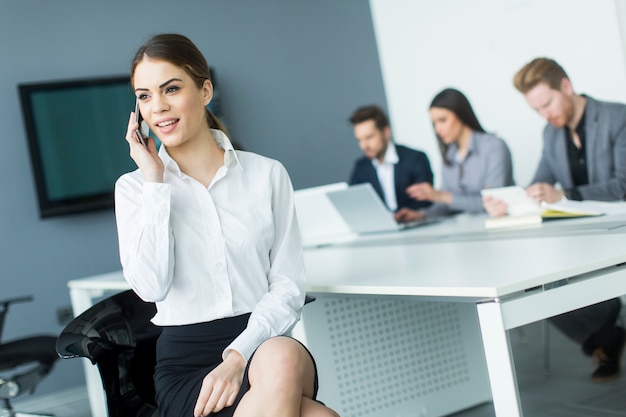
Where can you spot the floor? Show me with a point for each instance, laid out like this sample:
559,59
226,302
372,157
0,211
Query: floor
566,391
69,403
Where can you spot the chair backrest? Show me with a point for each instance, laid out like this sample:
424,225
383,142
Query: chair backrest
117,336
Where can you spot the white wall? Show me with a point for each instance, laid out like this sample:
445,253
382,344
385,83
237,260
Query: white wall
477,46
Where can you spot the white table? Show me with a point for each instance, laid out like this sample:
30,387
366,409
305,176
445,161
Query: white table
502,273
504,278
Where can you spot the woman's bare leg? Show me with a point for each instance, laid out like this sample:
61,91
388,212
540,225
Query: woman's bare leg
282,378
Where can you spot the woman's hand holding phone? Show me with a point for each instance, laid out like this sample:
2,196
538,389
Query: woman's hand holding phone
143,153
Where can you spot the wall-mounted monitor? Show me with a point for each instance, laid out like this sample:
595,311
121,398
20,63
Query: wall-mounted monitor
75,131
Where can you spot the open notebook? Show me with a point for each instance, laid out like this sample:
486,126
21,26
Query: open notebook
524,211
364,211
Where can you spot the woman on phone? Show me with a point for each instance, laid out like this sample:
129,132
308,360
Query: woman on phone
472,158
209,234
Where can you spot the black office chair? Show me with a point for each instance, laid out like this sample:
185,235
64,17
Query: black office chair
29,360
117,336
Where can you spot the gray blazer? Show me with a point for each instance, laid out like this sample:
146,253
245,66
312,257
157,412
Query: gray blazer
605,127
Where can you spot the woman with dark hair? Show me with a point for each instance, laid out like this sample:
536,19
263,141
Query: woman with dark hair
209,234
472,158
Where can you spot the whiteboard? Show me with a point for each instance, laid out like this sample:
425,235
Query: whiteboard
477,46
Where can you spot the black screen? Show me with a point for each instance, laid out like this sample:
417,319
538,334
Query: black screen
75,132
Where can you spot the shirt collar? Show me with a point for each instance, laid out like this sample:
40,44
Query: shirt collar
230,156
391,156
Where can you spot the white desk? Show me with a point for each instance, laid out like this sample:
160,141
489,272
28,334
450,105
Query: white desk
471,228
502,274
497,275
83,293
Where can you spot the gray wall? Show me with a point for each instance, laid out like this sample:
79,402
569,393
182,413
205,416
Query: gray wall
290,72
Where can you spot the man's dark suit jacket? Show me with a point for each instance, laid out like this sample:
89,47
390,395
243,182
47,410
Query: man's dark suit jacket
605,148
412,167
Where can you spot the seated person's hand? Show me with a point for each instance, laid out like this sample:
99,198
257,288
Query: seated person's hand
221,386
494,206
421,191
424,191
405,215
544,192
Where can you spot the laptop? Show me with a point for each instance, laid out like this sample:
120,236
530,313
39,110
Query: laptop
364,211
318,219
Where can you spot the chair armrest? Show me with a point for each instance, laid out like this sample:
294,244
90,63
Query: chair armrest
23,299
72,345
5,308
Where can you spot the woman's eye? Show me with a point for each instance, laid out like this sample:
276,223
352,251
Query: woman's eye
142,96
171,89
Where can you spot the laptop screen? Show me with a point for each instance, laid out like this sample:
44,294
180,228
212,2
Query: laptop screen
362,209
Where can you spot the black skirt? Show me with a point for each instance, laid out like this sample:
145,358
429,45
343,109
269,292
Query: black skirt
185,355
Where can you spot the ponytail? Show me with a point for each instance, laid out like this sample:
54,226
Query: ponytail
215,123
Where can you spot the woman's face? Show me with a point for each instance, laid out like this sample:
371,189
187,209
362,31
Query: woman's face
170,102
446,124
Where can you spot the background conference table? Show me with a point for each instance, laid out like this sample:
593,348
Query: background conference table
506,278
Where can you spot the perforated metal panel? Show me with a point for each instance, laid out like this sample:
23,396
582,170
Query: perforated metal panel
392,357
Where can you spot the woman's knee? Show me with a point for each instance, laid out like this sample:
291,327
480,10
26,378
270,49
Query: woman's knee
281,354
283,360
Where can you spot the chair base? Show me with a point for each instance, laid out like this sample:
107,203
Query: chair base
18,414
7,411
13,413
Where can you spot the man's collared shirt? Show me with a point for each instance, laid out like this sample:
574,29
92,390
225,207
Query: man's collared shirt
386,176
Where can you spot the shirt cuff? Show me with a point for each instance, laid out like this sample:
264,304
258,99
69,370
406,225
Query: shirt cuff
247,342
573,194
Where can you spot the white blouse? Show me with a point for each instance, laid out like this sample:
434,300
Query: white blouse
204,253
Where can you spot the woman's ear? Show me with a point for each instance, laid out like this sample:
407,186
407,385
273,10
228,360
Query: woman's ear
207,92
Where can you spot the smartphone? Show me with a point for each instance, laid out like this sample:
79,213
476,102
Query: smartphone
140,134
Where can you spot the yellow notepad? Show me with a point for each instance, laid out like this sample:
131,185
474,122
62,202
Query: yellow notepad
569,209
524,220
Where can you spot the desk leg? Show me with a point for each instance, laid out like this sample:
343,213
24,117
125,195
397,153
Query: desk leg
81,301
499,361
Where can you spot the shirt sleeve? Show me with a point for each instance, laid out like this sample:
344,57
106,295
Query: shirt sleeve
279,309
146,244
497,172
470,203
437,210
